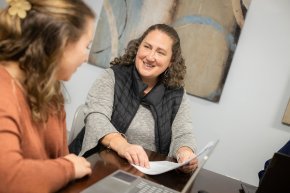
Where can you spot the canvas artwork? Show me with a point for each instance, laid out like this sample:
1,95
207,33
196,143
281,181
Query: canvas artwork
208,30
286,117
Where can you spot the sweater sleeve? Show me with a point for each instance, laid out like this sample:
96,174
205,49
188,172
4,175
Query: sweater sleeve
20,173
65,137
182,130
98,110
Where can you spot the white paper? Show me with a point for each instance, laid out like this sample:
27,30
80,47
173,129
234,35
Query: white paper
159,167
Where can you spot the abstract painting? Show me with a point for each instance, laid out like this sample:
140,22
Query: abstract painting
208,29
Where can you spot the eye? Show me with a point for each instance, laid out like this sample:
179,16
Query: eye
146,46
161,53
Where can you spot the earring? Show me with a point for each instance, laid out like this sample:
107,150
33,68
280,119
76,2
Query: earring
165,74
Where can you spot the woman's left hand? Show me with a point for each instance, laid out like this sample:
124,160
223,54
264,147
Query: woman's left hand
184,154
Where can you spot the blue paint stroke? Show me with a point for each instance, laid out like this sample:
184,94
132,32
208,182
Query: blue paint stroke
197,19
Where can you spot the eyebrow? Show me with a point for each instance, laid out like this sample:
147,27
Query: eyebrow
158,48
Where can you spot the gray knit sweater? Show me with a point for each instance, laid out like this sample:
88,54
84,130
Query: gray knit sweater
98,111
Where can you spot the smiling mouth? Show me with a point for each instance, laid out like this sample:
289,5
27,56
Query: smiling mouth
147,65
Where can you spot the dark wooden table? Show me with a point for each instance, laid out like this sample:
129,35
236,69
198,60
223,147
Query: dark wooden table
105,162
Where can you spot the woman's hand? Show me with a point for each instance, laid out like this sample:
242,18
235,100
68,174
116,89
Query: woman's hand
135,154
184,154
81,165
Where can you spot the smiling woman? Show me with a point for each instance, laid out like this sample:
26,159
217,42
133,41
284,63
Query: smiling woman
153,57
142,97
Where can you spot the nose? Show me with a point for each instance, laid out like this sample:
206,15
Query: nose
151,56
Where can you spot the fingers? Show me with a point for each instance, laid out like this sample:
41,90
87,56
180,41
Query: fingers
185,154
135,158
135,154
190,167
81,166
143,159
86,166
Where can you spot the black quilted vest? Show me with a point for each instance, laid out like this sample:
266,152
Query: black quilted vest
162,102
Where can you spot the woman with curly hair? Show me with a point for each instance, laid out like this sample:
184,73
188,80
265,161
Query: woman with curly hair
140,102
41,44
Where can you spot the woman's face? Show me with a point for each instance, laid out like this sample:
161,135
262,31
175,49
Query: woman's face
76,53
153,56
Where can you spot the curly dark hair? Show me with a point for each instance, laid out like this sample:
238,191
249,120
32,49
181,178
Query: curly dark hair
174,76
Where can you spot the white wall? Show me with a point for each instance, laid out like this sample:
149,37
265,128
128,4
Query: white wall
82,80
247,120
2,4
